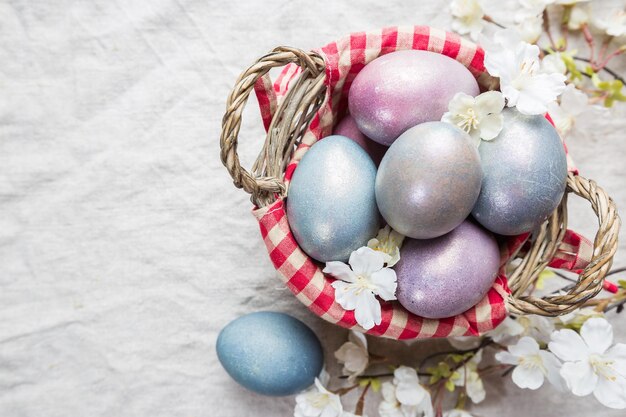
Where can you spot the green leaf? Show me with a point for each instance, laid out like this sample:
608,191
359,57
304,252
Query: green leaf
570,65
622,283
450,385
375,384
364,382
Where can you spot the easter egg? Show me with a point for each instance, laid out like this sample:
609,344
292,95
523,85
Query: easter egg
347,127
402,89
331,205
429,180
445,276
270,353
525,173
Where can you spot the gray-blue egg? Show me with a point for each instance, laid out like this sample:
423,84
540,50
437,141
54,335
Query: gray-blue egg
331,204
270,353
525,173
429,180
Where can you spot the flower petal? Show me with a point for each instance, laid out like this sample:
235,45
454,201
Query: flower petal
491,126
617,354
579,377
410,393
573,101
552,366
460,103
365,261
367,310
340,271
598,334
358,339
528,377
610,393
567,345
385,281
524,347
506,357
539,90
388,390
405,374
490,102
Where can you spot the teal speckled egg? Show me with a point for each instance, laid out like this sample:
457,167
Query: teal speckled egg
270,353
331,204
525,173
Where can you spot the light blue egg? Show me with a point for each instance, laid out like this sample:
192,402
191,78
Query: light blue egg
270,353
331,204
525,173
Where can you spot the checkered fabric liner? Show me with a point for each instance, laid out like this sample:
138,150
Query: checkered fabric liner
301,274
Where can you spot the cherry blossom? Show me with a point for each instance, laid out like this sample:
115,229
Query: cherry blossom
353,355
479,116
358,285
592,364
533,365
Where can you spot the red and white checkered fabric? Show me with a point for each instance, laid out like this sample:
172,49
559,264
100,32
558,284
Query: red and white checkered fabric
301,274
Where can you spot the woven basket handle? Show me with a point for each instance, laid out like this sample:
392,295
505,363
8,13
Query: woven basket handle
292,117
590,282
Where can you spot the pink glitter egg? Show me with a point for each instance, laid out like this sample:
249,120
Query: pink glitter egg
405,88
347,127
446,276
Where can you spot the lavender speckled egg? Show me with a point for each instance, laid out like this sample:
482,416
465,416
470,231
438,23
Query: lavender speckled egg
445,276
270,353
347,127
402,89
525,173
331,205
429,180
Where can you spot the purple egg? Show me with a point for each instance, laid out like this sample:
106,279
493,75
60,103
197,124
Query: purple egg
402,89
347,127
446,276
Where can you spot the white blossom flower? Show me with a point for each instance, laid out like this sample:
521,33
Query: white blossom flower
579,16
553,63
353,355
318,402
533,365
388,242
506,332
530,29
479,116
591,363
405,396
456,413
356,289
612,21
468,17
517,65
574,116
469,378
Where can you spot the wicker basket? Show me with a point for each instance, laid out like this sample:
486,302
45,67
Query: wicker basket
313,99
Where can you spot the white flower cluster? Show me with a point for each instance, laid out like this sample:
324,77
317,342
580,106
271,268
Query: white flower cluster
583,363
533,80
369,275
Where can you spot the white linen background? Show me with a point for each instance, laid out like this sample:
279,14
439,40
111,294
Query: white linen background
124,247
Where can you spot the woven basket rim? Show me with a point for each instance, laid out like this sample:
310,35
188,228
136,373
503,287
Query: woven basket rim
307,94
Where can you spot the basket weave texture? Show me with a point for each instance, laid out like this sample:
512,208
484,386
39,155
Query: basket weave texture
301,107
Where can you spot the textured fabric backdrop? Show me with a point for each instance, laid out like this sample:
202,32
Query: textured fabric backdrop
124,247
